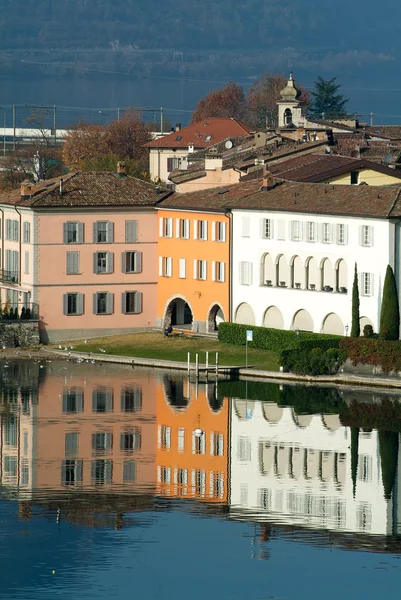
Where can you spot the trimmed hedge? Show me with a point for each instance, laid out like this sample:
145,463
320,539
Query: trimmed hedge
275,340
312,362
367,351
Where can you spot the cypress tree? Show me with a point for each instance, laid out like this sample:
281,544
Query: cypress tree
388,444
355,326
354,457
390,311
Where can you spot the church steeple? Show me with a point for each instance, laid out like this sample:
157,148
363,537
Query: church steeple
289,108
290,92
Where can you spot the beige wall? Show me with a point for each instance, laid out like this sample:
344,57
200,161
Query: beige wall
214,178
158,161
366,176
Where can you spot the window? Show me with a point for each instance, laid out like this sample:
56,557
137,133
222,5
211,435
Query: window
131,231
131,303
164,437
103,303
264,499
12,230
181,479
129,471
311,231
101,471
354,177
181,439
103,232
73,232
26,263
73,400
216,444
267,229
245,274
182,229
71,444
130,441
24,472
218,271
364,516
366,235
164,474
244,448
198,443
73,304
165,266
103,262
71,472
326,235
246,227
216,485
173,163
208,138
10,466
198,482
102,442
367,284
200,230
102,400
166,227
12,264
218,231
295,231
131,399
27,232
200,269
10,430
132,262
341,233
182,268
72,263
365,465
281,230
178,138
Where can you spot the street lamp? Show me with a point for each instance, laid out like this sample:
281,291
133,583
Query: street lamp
4,130
346,329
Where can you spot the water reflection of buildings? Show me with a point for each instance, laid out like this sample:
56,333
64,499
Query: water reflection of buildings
310,471
192,436
74,427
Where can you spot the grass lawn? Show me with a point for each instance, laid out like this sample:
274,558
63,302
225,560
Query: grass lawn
156,345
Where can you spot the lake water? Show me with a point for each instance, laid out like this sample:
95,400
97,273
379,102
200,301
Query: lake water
119,483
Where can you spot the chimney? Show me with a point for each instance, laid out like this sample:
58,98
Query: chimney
26,190
61,187
178,126
121,169
268,181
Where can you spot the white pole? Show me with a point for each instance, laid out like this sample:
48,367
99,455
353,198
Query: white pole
217,363
207,361
246,353
189,362
197,365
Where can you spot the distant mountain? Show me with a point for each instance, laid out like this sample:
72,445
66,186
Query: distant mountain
199,25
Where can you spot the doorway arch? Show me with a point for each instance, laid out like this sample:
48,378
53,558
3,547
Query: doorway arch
215,316
178,313
302,320
244,314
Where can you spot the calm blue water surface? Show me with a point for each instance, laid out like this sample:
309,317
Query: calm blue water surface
328,526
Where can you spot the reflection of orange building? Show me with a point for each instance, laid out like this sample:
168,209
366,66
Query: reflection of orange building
192,441
89,427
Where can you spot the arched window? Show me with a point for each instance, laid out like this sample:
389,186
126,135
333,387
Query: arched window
311,274
297,273
341,276
282,271
327,275
287,117
267,274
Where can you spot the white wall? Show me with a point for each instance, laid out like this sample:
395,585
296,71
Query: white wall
372,259
158,161
315,501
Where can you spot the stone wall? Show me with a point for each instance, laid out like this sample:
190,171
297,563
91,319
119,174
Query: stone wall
19,333
366,370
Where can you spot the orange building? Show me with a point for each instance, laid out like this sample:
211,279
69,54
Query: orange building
192,441
194,254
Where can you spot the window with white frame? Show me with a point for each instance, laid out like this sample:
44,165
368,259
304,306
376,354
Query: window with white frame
166,227
267,229
181,439
244,448
216,484
366,235
102,442
218,231
182,229
27,232
341,233
216,444
164,437
200,269
198,443
246,227
245,273
202,230
182,268
218,271
103,262
103,232
165,266
295,231
326,233
311,231
365,465
367,284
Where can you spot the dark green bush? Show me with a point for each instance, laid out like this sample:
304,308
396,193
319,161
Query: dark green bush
23,315
312,362
368,331
28,314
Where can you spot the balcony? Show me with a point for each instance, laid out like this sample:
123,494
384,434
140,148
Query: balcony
9,276
19,311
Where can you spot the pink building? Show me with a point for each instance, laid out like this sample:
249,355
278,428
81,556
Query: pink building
83,250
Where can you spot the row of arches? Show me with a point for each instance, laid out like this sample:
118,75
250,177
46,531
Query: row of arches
309,275
178,312
273,413
302,320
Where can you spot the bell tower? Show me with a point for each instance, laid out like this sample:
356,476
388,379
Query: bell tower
289,107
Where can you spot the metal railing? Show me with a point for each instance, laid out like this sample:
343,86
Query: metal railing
9,276
14,311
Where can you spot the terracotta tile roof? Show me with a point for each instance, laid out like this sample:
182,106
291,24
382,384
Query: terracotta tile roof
390,132
311,198
198,134
83,189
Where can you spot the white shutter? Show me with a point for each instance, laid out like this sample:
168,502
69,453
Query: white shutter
177,228
169,266
222,272
211,486
213,270
161,227
186,229
195,269
181,439
168,438
193,475
159,436
175,476
211,444
138,262
80,304
221,444
205,223
372,289
159,474
195,229
170,227
160,266
203,443
345,234
182,268
204,269
213,231
193,442
371,230
203,483
223,232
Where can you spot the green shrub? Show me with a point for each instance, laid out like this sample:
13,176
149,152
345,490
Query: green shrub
28,314
368,331
23,315
378,353
313,362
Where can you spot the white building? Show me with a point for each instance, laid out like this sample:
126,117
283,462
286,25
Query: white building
294,249
296,470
